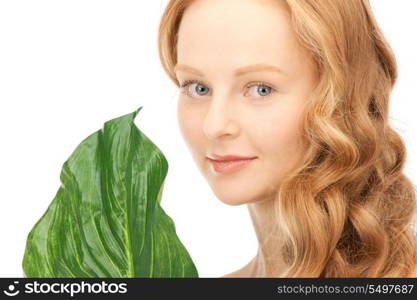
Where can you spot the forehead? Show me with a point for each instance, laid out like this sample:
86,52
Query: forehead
237,32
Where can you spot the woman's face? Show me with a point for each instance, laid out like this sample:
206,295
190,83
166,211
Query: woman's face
249,83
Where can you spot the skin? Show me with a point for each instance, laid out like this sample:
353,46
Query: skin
229,114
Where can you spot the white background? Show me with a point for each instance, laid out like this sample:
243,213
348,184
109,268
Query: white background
66,67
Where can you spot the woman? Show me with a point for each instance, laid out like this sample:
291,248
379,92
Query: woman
297,91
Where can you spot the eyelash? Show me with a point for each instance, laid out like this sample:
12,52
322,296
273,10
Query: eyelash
188,82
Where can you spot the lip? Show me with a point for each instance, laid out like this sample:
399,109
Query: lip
230,166
229,157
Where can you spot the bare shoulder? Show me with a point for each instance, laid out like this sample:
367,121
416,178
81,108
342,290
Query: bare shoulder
245,271
234,274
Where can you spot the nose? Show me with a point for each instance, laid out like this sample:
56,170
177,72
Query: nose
221,119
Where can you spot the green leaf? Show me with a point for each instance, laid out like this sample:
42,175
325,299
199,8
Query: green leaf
106,219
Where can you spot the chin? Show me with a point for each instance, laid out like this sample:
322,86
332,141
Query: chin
232,202
237,200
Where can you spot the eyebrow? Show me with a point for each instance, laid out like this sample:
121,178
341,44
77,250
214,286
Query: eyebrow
238,72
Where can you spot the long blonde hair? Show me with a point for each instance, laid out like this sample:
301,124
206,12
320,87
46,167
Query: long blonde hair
347,209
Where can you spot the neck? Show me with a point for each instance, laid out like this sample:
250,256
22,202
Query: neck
268,262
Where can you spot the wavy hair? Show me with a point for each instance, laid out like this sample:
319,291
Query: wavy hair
347,209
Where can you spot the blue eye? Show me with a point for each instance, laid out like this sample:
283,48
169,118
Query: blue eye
262,89
194,86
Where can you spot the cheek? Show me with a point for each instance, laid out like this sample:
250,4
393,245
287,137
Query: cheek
279,137
189,124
